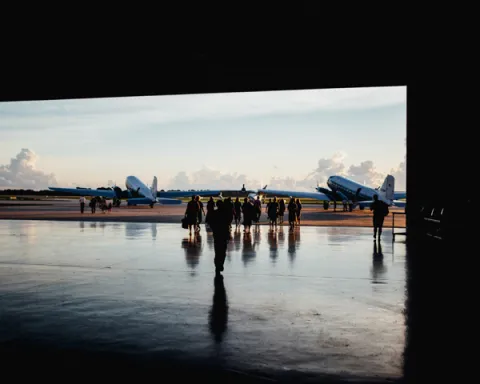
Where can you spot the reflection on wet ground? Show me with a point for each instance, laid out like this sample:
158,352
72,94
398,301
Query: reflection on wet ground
315,300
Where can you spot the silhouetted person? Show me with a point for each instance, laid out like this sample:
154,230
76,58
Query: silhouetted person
93,204
299,211
258,209
273,212
82,204
248,214
380,210
237,210
218,317
281,210
267,207
292,213
229,209
201,211
210,208
191,213
221,234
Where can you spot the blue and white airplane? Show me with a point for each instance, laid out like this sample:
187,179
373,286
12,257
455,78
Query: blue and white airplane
342,188
138,192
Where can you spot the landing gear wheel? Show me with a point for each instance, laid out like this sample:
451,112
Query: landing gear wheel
151,205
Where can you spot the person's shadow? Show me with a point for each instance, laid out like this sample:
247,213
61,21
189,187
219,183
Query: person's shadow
218,316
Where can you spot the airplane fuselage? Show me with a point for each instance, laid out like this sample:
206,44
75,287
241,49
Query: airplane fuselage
351,189
134,185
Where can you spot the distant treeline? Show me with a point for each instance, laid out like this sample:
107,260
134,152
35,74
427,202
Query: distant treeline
31,192
47,192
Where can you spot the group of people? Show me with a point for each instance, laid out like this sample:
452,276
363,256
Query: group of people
227,212
95,202
347,205
276,211
250,211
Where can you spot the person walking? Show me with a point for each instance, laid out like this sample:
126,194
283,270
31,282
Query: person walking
82,203
299,211
93,204
191,213
220,224
380,210
292,213
201,212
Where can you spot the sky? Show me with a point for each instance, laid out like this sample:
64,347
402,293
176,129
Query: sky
285,139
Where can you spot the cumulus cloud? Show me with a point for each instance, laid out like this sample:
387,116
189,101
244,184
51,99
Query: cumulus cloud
210,178
366,173
21,173
400,174
326,167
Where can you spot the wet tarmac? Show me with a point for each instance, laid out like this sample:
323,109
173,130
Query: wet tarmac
68,210
312,302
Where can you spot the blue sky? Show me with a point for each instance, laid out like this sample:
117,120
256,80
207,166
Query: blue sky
284,139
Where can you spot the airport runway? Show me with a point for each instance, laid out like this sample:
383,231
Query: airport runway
69,210
318,302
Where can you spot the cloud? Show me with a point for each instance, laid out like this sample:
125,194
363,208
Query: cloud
115,113
400,174
366,173
21,173
327,167
209,178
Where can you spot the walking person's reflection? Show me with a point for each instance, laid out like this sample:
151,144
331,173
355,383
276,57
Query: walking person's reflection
291,245
256,237
218,316
378,269
273,243
237,237
193,249
248,251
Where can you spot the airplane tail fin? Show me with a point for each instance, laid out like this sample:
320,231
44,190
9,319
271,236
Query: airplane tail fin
154,187
388,188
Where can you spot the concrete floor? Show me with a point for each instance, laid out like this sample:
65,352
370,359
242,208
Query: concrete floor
320,300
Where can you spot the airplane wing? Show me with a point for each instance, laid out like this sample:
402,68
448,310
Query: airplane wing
179,194
399,195
145,201
396,203
303,195
86,191
166,201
